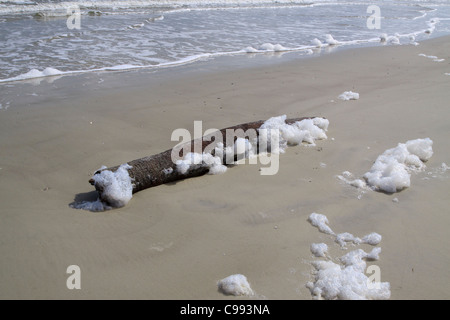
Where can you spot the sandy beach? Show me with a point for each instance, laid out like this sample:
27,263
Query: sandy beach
176,241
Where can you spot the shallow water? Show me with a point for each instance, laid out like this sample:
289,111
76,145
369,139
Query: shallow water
48,38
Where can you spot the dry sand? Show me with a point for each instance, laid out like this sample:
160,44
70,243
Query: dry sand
176,241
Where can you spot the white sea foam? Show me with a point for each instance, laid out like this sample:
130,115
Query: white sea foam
226,153
317,43
330,40
267,47
444,167
350,179
117,186
251,50
34,73
117,190
391,170
343,238
307,130
346,278
5,106
349,95
192,161
321,222
334,281
52,72
372,239
319,249
374,254
434,58
236,285
243,148
273,47
429,57
393,40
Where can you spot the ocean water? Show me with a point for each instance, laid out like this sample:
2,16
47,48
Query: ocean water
52,37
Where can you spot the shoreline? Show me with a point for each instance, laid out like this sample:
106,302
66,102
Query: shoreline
106,79
97,62
62,86
176,241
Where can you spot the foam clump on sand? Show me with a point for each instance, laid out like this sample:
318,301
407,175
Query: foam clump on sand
349,179
434,58
391,170
336,282
346,278
343,238
319,249
372,239
444,167
321,222
117,190
307,130
349,95
236,285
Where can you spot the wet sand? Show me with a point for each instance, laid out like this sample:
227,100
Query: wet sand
176,241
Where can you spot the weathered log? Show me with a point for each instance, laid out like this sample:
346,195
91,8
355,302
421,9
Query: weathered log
160,169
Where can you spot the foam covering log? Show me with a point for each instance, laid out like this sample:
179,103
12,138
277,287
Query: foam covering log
159,169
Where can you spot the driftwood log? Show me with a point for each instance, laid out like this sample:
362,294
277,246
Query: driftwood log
159,169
